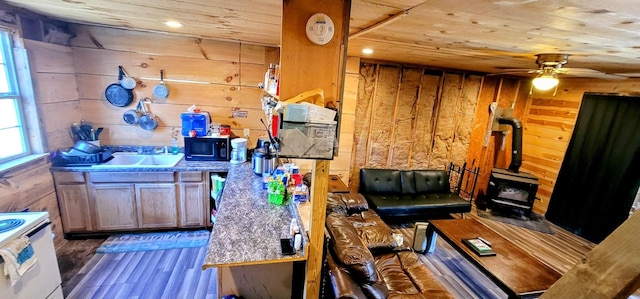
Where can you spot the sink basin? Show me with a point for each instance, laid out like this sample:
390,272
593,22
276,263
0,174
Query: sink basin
141,161
161,160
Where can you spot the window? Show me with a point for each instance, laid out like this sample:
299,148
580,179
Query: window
13,132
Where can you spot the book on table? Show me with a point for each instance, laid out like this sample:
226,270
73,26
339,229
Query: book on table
479,247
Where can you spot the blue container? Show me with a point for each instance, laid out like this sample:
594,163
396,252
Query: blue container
198,122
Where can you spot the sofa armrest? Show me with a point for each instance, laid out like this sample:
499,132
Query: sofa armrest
344,287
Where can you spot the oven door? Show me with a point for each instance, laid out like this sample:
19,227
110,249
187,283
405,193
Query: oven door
43,279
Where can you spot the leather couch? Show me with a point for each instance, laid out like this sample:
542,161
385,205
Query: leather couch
363,260
410,194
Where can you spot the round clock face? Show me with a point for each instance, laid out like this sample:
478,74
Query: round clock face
320,29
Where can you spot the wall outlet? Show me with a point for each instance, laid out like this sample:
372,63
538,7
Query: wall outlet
247,133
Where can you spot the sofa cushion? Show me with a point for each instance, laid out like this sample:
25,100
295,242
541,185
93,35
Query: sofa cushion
343,285
335,204
393,275
354,202
408,182
375,234
431,181
381,181
421,276
349,250
407,205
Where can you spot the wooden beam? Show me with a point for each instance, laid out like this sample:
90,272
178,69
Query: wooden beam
380,24
610,270
306,66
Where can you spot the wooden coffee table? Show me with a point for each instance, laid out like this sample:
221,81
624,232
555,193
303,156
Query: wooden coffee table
515,271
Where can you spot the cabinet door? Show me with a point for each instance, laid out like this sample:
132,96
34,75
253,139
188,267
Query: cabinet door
194,204
157,205
114,206
74,208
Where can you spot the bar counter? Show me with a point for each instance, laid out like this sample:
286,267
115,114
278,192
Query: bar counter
248,228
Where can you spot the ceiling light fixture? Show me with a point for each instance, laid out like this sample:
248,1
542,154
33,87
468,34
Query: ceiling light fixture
367,51
173,24
546,80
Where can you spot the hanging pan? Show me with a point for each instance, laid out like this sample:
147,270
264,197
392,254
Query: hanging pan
147,121
161,91
117,95
127,81
132,116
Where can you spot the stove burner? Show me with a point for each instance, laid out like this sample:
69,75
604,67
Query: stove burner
9,224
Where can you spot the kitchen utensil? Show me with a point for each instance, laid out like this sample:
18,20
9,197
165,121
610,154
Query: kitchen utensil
132,116
274,140
85,146
127,81
263,161
117,95
239,152
147,121
97,133
161,91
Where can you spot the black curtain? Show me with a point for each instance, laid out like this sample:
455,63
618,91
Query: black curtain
600,173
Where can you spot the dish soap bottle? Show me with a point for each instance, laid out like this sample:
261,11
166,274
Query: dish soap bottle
174,146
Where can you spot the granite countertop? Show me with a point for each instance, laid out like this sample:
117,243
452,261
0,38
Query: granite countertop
183,165
248,228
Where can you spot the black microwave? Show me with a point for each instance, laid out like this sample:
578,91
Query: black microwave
207,148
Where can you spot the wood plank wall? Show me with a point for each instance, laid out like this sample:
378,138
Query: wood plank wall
217,76
548,125
31,186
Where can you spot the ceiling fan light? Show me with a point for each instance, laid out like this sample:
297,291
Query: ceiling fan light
545,81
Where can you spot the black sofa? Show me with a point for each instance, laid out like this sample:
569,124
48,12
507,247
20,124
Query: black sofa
410,194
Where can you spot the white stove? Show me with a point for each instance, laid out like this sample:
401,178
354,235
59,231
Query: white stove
43,279
31,219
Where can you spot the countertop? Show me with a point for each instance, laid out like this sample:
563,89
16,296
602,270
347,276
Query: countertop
183,165
248,228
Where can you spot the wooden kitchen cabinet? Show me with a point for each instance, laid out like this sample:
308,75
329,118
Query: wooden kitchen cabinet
73,201
114,206
194,202
108,201
193,205
156,205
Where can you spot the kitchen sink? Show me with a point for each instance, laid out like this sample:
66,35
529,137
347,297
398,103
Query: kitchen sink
141,161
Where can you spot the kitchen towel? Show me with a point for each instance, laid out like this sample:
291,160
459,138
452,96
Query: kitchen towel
18,258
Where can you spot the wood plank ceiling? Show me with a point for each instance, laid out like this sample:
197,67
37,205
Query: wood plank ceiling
484,36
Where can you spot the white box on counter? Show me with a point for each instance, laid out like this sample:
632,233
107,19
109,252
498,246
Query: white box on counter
307,112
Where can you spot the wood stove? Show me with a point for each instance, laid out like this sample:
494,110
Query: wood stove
509,188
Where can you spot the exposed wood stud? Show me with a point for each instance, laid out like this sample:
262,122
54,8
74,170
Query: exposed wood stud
371,114
414,127
434,119
395,121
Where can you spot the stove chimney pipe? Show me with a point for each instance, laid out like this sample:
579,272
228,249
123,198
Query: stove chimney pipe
516,141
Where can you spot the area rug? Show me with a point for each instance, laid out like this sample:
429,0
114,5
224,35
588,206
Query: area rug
533,222
154,241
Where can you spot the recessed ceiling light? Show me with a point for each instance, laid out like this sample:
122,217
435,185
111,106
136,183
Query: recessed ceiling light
173,24
367,51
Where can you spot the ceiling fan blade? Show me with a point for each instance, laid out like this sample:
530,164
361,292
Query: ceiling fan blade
589,73
514,72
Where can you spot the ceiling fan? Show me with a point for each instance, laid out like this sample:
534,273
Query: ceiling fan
550,65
